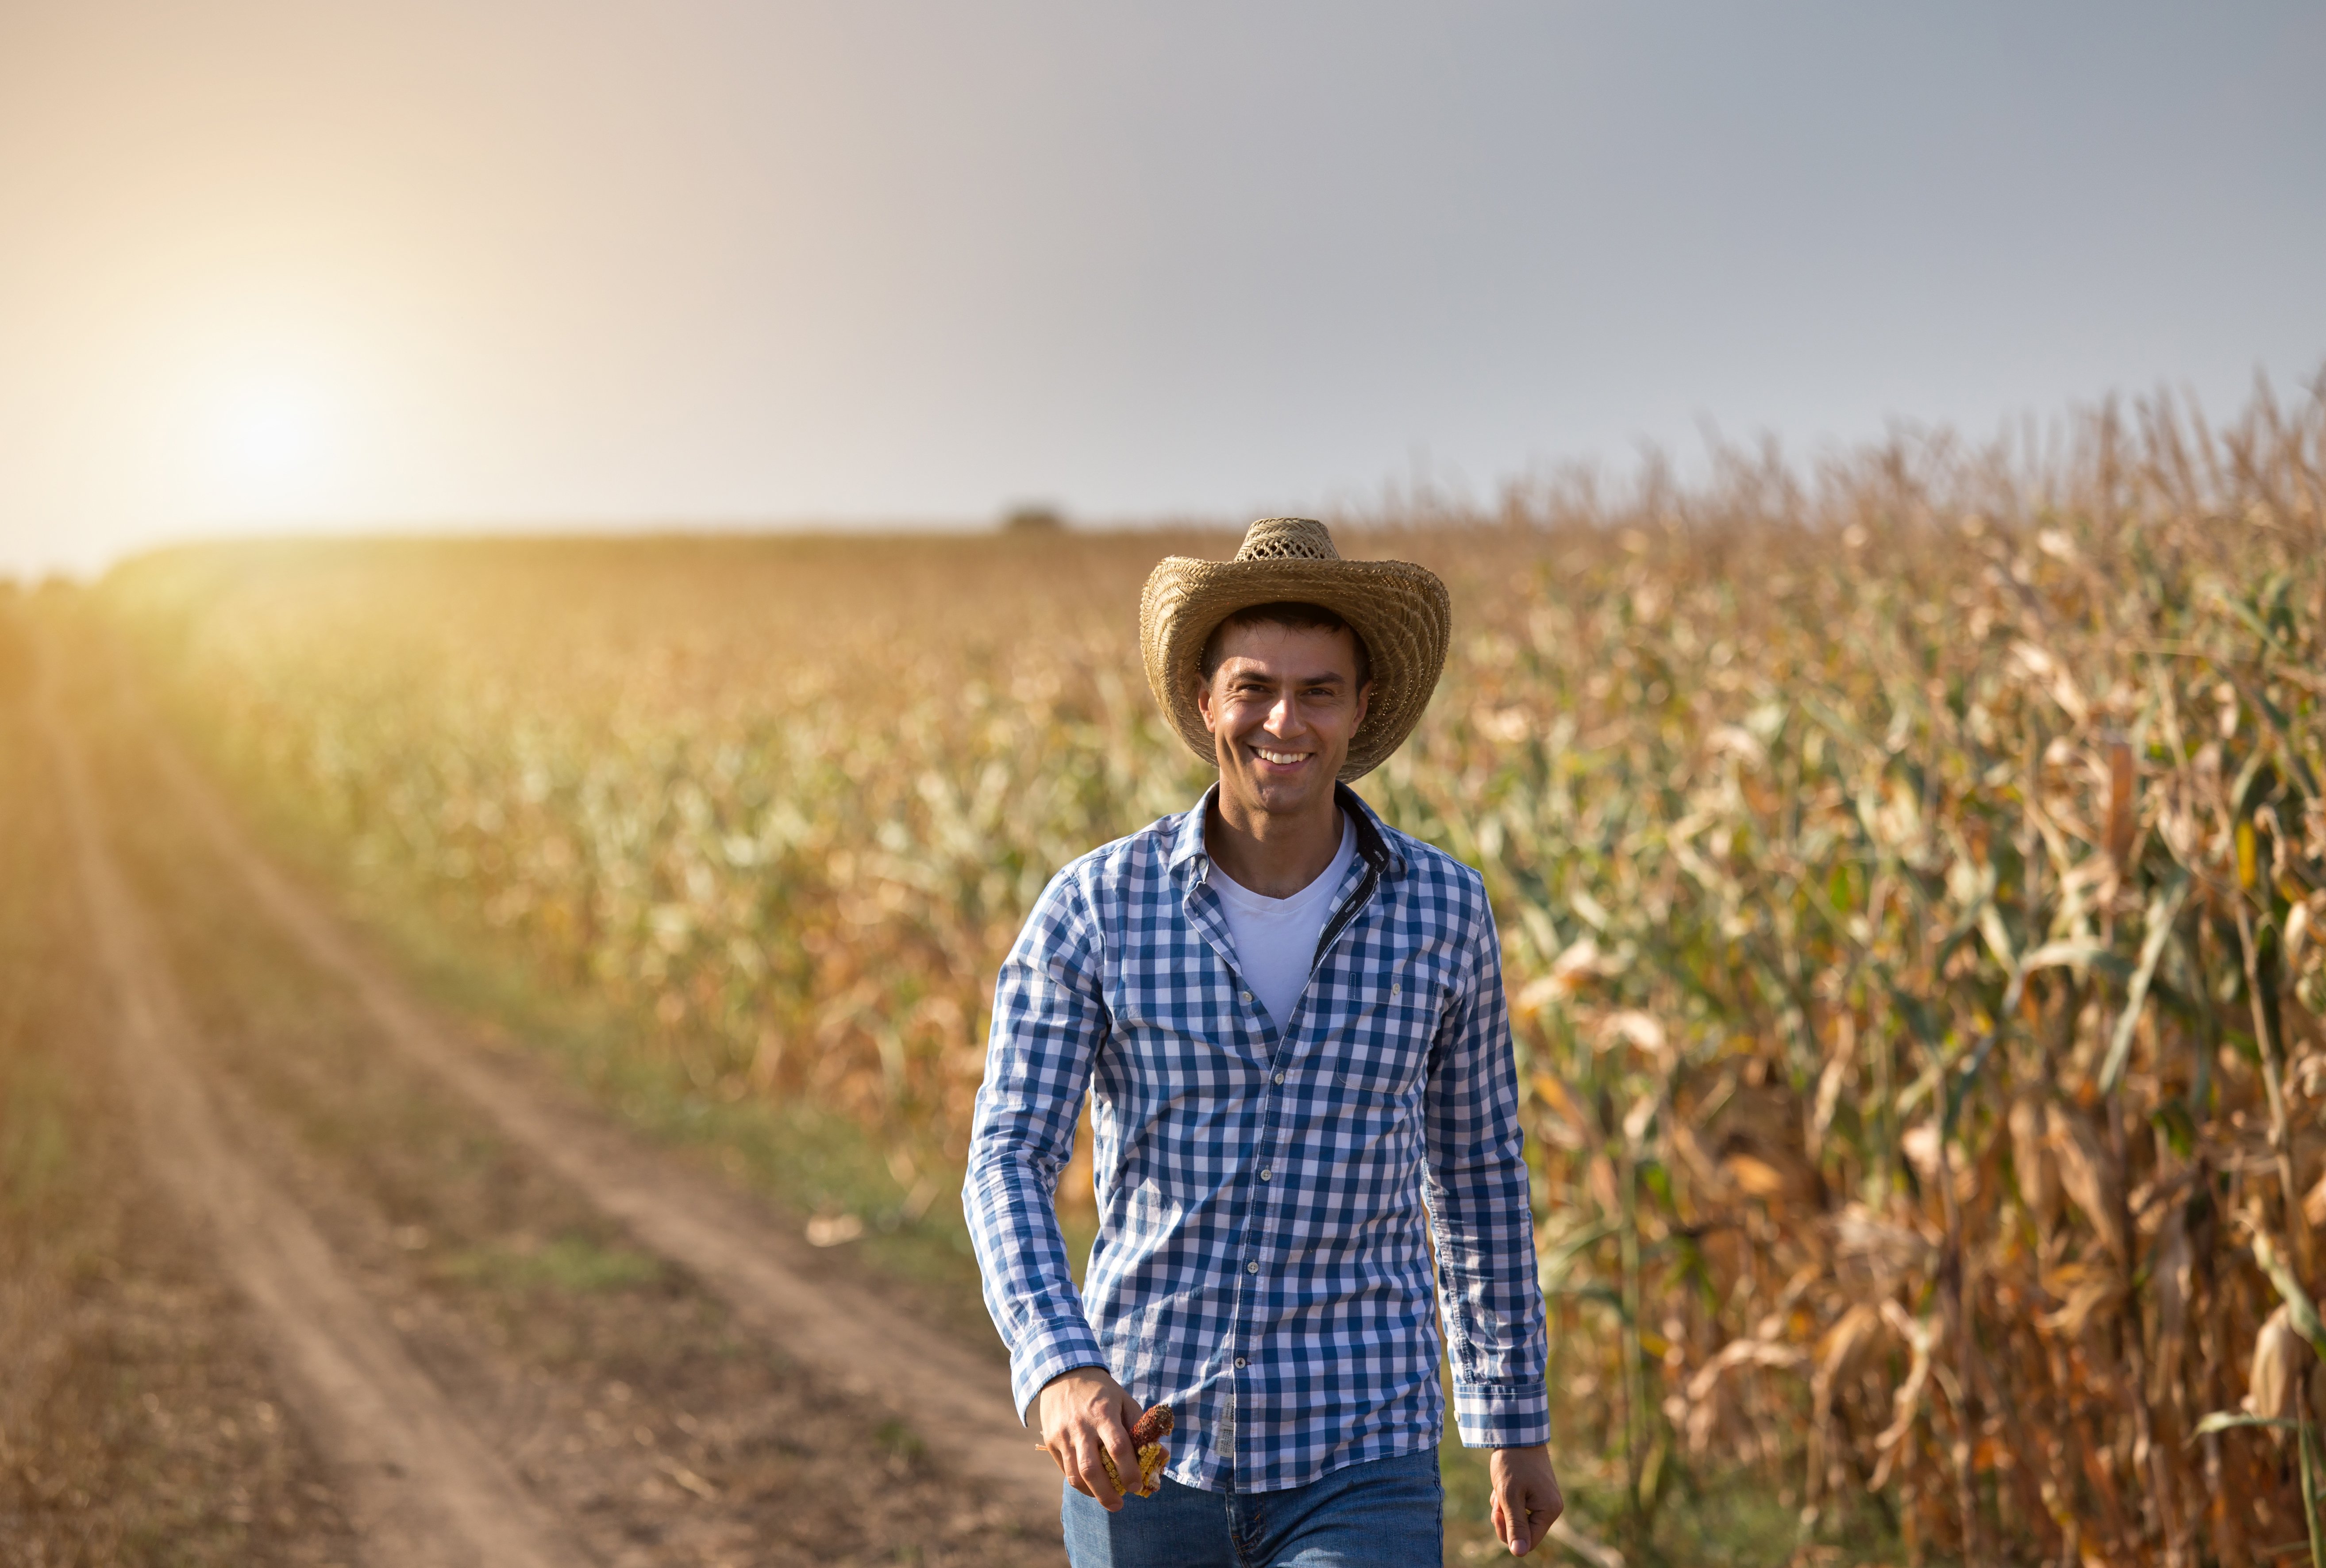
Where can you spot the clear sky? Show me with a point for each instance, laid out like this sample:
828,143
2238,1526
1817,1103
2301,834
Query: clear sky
522,263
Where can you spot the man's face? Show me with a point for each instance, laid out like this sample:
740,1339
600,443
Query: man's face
1281,708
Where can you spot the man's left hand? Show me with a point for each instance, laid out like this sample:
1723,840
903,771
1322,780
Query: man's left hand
1527,1499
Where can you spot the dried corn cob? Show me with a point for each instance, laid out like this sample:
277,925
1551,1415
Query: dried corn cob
1147,1436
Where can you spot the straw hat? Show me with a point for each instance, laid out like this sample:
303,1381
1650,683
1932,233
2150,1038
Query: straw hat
1400,609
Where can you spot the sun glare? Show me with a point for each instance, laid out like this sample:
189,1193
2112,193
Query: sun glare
271,433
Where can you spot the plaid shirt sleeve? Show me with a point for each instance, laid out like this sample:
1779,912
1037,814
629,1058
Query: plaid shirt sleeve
1476,1188
1048,1020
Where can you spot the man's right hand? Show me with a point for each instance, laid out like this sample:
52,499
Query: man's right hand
1079,1412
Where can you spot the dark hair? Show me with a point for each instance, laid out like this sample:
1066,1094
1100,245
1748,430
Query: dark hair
1292,615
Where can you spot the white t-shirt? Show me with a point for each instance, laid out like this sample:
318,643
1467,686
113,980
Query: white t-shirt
1276,938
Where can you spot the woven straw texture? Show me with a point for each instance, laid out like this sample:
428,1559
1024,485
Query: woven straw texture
1401,611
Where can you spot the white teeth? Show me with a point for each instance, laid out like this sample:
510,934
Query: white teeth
1281,758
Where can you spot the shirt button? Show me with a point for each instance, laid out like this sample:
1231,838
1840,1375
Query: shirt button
1252,1267
1279,1078
1393,991
1247,996
1239,1361
1266,1174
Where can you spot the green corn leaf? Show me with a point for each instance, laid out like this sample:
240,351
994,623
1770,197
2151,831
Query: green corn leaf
2225,1420
2303,1311
2162,910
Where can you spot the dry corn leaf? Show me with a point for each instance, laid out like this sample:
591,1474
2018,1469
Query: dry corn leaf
2088,1173
2278,1370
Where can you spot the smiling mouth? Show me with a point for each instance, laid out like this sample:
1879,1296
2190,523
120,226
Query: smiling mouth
1280,758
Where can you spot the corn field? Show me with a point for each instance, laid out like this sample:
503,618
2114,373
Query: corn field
1910,871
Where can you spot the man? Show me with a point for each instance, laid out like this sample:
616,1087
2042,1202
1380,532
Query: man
1291,1018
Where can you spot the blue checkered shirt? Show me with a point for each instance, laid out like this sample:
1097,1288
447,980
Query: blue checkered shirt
1262,1263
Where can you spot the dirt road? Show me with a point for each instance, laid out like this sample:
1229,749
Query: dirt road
424,1489
518,1334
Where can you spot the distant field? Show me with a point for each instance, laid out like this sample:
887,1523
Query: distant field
1910,884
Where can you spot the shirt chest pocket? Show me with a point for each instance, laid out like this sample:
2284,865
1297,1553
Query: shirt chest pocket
1385,1051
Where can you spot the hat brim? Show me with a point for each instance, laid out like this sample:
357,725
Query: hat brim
1402,610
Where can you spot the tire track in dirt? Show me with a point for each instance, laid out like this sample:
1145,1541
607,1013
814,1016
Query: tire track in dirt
424,1491
959,1405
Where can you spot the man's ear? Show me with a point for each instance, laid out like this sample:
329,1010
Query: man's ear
1204,704
1364,702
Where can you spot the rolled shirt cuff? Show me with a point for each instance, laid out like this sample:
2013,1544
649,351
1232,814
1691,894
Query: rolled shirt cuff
1049,1351
1501,1415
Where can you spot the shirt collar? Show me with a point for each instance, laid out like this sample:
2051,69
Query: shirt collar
1372,841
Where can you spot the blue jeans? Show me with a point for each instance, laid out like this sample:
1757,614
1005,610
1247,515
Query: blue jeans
1386,1513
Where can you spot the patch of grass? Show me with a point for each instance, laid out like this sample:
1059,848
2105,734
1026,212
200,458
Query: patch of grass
571,1264
900,1440
35,1135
